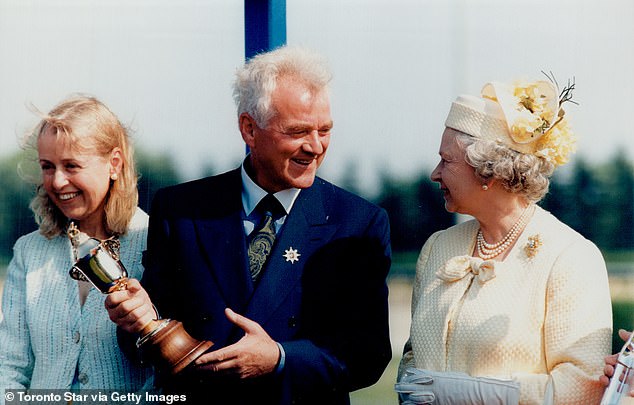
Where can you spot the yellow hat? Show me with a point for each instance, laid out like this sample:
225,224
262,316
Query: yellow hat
526,117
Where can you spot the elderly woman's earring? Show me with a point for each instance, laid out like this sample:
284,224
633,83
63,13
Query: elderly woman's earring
485,187
114,177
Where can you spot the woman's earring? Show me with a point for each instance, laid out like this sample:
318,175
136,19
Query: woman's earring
485,187
114,177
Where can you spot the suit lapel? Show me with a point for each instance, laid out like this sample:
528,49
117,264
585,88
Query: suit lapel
305,230
224,246
221,235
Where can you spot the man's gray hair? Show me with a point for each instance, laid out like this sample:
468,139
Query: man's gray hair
257,79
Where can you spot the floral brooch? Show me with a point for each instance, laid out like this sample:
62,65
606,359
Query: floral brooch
533,245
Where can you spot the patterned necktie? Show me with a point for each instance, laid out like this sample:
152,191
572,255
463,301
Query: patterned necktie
263,236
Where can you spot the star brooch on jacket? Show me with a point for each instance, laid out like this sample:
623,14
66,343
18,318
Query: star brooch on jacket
533,245
291,255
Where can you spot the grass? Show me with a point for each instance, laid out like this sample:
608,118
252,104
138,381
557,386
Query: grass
381,393
619,256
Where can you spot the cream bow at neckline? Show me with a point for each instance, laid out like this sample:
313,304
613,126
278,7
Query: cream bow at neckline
458,267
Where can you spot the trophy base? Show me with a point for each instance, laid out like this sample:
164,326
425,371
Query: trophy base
195,353
170,348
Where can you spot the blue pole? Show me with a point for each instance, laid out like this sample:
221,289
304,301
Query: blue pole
264,26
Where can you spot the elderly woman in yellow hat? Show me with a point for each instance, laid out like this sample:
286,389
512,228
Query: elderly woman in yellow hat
512,306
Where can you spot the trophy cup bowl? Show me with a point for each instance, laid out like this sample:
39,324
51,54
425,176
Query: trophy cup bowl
164,341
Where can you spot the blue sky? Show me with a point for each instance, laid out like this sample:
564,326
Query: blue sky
165,67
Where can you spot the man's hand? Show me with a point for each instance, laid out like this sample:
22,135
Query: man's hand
610,361
254,355
130,309
608,370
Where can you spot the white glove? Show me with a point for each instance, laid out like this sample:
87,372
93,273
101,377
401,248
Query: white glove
418,387
413,389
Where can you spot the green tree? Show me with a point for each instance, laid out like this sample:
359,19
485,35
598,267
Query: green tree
349,178
16,218
155,171
577,202
616,212
415,208
560,199
597,201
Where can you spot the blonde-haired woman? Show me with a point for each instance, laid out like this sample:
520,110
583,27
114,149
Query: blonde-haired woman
512,306
56,333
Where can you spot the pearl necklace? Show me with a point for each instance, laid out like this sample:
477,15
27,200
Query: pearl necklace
488,251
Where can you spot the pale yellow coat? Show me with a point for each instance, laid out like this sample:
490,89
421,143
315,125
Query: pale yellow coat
544,321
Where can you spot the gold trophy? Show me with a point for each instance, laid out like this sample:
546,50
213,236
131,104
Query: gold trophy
165,342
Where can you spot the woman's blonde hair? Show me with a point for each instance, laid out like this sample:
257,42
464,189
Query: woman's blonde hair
86,124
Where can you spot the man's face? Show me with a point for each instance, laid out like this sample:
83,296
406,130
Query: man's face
287,152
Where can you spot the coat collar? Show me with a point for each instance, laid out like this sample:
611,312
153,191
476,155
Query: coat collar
252,194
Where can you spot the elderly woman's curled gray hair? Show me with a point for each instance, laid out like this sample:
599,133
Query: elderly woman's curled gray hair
525,174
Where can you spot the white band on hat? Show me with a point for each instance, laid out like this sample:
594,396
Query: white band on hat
483,118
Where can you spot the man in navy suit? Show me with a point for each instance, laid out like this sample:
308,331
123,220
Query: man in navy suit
312,325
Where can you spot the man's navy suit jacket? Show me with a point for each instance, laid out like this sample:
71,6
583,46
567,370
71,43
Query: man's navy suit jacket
328,309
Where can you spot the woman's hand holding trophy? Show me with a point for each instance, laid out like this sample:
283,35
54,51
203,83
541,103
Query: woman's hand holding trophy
165,342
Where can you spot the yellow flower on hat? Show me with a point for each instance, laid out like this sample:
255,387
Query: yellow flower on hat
526,127
536,106
557,144
534,117
524,116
